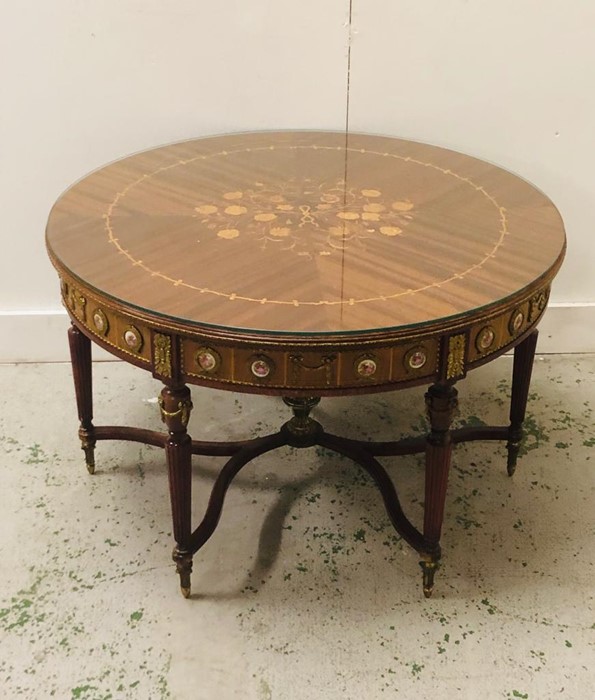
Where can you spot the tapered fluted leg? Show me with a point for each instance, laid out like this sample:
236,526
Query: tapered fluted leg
441,402
524,354
80,357
175,407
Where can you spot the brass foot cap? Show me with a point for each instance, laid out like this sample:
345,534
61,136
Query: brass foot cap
185,591
91,468
428,592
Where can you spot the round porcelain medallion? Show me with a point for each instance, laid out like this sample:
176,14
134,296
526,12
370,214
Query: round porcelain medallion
133,339
485,338
130,338
260,368
516,321
366,367
208,360
100,321
417,359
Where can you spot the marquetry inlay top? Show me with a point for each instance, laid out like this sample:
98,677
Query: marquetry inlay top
305,233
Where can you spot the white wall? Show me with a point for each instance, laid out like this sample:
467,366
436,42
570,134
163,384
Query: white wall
510,81
83,82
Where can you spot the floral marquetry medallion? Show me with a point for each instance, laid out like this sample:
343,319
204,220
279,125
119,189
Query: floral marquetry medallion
285,214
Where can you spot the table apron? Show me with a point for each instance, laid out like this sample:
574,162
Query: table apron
314,367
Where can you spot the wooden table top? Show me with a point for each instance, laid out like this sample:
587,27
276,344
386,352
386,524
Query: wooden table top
305,233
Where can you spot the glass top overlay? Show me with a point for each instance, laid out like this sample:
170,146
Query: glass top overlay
305,232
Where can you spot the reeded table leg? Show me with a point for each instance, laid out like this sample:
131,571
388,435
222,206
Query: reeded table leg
524,354
80,357
441,402
175,407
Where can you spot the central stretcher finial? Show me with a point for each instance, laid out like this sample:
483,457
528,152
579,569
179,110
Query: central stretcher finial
301,427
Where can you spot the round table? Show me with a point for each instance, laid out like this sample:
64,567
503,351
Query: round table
305,264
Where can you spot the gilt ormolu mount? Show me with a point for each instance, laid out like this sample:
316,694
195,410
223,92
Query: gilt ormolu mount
305,265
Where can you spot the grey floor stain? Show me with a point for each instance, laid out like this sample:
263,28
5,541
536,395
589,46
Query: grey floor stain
305,590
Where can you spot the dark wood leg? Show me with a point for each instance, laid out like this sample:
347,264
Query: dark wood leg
175,407
80,357
441,402
524,353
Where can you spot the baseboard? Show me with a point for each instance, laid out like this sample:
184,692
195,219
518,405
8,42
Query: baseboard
40,336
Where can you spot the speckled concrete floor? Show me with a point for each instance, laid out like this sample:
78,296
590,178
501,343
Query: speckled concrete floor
304,591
